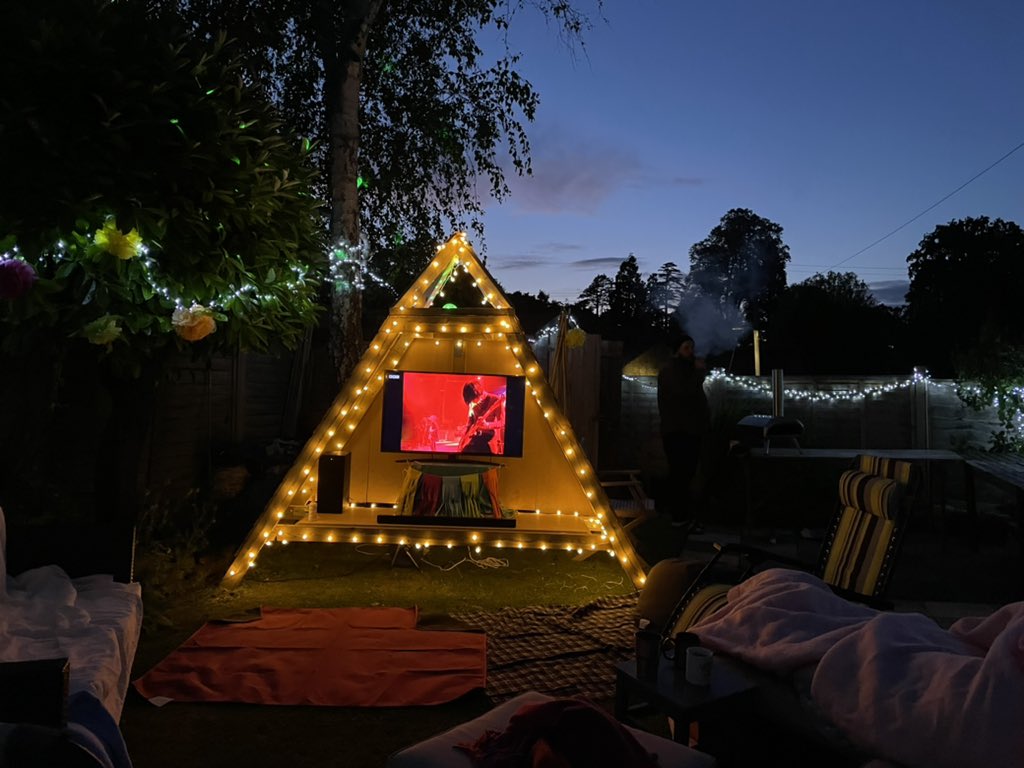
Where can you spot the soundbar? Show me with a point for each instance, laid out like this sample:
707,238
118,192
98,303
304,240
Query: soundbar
467,522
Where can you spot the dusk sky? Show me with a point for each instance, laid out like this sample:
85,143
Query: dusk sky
839,121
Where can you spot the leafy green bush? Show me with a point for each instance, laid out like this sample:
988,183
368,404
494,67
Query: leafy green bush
993,376
144,178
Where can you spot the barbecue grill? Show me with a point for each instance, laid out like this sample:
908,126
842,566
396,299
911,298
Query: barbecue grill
759,430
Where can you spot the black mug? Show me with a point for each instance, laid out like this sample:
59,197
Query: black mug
648,653
675,649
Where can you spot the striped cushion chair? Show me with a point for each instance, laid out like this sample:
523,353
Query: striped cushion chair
859,548
894,469
906,473
857,554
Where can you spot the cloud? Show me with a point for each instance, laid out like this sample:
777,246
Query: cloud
685,181
539,255
576,175
521,262
554,247
891,292
600,263
574,180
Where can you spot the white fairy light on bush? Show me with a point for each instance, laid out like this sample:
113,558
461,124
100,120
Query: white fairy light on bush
221,302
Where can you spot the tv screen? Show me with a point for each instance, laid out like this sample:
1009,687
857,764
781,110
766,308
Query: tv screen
453,413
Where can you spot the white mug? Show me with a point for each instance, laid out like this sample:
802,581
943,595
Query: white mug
698,665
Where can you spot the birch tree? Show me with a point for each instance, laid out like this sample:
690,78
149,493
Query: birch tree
411,118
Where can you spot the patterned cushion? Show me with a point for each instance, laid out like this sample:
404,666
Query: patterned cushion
707,600
869,493
900,471
859,551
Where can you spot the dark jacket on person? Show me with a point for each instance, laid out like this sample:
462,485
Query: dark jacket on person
682,404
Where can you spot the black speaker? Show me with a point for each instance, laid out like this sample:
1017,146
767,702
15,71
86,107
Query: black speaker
332,483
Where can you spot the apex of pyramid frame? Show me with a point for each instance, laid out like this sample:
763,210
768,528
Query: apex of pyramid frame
450,256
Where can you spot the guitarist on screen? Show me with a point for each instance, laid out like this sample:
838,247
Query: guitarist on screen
485,427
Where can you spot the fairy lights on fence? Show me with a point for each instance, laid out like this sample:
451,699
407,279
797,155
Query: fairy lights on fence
756,385
752,384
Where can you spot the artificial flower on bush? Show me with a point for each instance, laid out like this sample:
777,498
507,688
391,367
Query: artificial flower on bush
16,278
116,242
193,323
575,338
104,330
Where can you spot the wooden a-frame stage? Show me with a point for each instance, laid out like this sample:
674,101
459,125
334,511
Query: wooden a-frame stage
558,501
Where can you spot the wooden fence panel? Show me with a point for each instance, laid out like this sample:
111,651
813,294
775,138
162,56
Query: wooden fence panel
884,420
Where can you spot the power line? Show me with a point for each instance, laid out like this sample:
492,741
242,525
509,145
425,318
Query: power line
933,205
808,267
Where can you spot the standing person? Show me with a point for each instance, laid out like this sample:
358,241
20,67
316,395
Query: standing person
685,422
485,420
432,432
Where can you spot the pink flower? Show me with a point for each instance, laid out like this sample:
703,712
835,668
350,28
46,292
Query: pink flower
16,278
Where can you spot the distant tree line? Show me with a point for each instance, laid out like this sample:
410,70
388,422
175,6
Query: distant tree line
963,316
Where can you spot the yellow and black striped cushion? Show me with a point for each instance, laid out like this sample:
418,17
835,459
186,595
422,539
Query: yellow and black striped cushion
869,493
900,471
858,551
707,600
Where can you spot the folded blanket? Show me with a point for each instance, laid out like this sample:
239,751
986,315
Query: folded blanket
780,620
896,684
923,696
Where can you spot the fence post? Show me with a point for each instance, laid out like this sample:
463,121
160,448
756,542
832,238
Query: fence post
920,419
778,393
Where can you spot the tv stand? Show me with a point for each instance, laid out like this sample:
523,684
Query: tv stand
448,489
453,466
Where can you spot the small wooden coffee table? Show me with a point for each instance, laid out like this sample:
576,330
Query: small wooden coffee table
733,685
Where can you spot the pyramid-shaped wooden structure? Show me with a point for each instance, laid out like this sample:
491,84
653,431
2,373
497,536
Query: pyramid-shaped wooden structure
558,501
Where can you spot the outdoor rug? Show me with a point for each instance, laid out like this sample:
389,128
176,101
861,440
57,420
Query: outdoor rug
558,650
343,657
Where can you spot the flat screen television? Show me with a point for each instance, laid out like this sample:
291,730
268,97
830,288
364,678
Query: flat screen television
453,413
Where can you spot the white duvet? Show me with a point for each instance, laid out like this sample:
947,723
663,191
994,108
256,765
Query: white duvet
896,684
93,621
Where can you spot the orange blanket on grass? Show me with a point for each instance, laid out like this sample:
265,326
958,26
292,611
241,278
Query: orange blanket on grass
342,657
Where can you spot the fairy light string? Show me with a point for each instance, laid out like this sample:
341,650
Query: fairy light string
753,384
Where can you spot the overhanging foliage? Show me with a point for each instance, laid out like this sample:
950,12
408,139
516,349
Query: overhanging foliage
111,124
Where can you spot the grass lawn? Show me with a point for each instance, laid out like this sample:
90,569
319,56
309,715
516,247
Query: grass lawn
332,575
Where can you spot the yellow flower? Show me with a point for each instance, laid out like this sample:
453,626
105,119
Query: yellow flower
105,330
577,337
194,323
115,242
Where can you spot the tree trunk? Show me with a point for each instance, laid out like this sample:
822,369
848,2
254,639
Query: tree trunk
342,52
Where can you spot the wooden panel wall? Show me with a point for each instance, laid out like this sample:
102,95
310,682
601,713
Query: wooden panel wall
207,406
891,420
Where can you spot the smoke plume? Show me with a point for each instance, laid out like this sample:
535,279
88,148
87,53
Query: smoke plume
715,326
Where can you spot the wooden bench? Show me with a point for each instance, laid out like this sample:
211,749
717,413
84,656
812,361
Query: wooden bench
627,496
